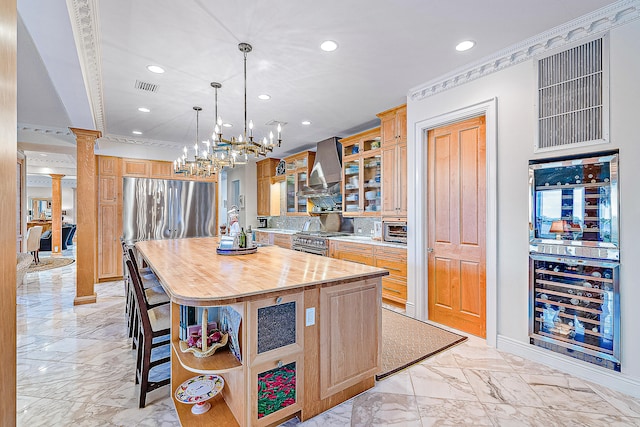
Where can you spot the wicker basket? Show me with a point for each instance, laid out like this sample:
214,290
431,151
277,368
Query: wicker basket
205,350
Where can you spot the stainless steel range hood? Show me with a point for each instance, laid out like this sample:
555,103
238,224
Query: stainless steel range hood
326,176
326,173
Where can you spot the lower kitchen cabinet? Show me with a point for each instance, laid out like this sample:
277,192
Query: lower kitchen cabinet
264,237
394,286
282,240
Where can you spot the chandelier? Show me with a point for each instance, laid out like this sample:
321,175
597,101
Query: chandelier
223,152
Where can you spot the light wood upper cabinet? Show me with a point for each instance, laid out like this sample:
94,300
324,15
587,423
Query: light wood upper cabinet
132,167
161,169
297,177
265,170
393,125
394,161
108,165
361,174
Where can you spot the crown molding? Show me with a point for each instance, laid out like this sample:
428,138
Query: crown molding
45,181
84,23
48,162
45,130
589,25
120,139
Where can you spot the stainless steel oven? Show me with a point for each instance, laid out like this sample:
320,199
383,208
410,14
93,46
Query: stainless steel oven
313,242
394,231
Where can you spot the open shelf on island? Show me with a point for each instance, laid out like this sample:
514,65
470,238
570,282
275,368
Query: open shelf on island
220,362
219,414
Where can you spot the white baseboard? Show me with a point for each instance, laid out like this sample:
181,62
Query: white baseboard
614,380
410,309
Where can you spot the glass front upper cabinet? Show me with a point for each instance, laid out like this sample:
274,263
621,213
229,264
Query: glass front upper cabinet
575,201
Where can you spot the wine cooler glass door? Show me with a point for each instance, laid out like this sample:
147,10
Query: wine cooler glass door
575,308
575,202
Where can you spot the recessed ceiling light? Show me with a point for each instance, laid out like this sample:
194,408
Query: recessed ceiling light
43,154
306,122
329,45
136,132
155,69
227,125
264,97
465,45
144,110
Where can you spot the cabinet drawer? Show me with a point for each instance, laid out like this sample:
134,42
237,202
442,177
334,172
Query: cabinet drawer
356,257
394,289
366,250
387,251
397,267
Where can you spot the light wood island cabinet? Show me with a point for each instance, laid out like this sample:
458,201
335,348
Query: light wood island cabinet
394,161
316,303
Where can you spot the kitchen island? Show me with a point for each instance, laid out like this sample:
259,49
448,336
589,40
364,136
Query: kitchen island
311,319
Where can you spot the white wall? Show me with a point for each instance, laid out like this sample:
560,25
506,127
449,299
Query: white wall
67,200
246,174
513,88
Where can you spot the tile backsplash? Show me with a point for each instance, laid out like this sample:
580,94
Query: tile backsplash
361,226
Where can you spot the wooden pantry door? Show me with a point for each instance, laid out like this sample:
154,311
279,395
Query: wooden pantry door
457,216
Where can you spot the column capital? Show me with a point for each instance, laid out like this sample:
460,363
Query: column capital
56,175
86,133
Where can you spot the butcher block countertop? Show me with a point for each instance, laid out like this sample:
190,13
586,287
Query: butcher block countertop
192,273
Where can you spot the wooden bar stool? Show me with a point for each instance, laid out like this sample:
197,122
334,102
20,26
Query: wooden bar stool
154,332
153,294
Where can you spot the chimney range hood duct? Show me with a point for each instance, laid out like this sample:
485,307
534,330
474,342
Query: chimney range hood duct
327,168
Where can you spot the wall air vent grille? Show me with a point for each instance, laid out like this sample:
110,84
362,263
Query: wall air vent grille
275,123
573,97
148,87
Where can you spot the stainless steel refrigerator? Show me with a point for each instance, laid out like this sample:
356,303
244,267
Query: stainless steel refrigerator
167,209
574,258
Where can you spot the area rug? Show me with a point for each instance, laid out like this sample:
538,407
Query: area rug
49,263
406,341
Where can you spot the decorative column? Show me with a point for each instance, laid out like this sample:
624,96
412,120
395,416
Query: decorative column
87,215
56,214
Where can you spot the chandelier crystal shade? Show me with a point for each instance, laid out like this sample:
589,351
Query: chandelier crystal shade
223,152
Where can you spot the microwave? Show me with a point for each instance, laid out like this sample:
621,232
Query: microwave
394,231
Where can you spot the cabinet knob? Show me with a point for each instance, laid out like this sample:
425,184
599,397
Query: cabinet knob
278,300
429,250
279,364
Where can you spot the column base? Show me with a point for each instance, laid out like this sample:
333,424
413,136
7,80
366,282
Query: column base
88,299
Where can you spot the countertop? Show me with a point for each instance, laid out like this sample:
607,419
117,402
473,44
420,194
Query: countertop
352,238
192,273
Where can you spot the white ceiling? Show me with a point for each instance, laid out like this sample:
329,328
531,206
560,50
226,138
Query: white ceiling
385,48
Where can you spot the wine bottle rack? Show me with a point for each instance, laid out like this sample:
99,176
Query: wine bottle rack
575,307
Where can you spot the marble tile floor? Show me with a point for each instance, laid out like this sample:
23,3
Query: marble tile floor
76,367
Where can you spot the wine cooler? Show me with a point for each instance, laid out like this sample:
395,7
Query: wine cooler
574,258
